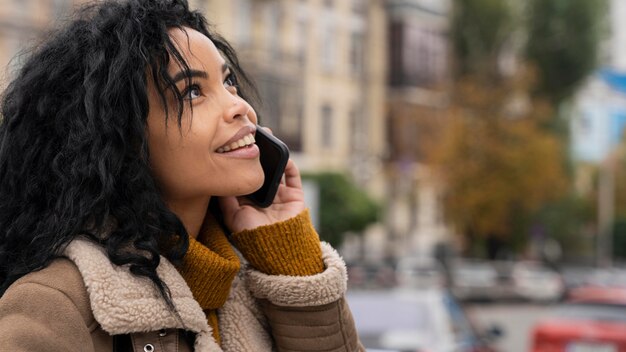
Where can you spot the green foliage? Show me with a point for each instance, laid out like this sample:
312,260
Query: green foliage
563,38
490,164
479,30
343,206
619,238
506,176
564,219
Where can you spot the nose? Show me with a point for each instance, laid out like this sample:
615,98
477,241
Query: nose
237,107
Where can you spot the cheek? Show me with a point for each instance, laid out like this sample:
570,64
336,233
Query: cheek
171,160
164,165
185,164
179,173
252,116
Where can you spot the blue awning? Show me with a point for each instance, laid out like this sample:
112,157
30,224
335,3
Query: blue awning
615,79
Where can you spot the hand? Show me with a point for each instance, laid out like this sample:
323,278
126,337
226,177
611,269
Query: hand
241,214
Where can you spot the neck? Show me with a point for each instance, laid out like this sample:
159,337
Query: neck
191,212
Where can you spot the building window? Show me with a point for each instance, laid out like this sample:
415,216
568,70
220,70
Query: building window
271,111
358,7
356,52
60,8
357,128
328,42
440,216
327,126
353,132
273,18
300,34
418,56
290,127
295,138
301,39
22,8
396,72
244,20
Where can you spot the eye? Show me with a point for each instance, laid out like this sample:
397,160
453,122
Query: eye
192,92
231,81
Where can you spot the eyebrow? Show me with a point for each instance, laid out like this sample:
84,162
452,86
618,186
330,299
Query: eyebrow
196,73
189,74
225,67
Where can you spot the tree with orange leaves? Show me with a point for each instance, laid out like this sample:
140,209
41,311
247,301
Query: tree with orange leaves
501,158
499,166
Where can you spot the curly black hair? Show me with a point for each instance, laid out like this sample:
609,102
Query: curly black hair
74,159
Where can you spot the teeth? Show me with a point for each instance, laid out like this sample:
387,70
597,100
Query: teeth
246,140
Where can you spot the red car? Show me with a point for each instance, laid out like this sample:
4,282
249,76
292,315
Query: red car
592,320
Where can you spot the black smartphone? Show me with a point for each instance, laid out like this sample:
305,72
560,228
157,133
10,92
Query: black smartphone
274,157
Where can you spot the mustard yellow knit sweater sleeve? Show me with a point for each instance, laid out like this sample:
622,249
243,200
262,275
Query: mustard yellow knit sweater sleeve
290,247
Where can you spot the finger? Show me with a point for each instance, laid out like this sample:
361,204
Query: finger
243,200
269,130
292,175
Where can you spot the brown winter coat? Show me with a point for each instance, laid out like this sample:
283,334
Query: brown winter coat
84,303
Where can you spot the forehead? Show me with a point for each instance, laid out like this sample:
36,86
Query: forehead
197,49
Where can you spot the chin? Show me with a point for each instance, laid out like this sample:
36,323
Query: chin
253,185
258,184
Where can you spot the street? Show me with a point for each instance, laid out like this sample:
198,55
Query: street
515,319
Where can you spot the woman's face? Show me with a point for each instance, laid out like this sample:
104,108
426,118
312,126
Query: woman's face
213,153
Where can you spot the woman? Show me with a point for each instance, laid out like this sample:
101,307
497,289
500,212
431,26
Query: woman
126,146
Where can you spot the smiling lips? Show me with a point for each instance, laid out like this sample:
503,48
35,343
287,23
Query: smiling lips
241,143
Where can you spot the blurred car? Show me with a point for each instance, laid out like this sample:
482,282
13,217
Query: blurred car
473,279
612,277
592,320
420,272
427,320
371,276
576,276
536,282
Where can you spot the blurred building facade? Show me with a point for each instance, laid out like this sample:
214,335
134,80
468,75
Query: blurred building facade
599,109
355,86
418,81
320,69
352,86
319,66
21,23
598,119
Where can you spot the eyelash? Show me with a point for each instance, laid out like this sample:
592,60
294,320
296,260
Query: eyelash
231,77
195,86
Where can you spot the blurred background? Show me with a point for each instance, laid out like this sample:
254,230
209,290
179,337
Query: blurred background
466,156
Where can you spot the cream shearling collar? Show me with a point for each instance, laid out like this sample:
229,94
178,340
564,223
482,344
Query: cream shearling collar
123,303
